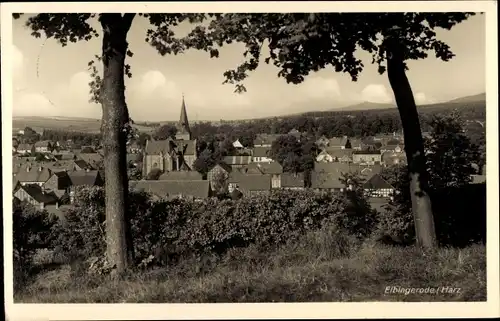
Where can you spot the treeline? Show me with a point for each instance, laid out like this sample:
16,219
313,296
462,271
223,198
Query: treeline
78,138
330,124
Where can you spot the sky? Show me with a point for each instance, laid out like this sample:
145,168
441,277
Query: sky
50,80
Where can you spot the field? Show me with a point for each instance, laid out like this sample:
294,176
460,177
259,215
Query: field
86,125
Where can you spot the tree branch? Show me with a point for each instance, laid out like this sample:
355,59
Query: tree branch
127,20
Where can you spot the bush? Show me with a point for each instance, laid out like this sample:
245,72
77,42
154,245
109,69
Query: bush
163,229
32,231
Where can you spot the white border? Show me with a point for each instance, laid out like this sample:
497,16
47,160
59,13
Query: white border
275,310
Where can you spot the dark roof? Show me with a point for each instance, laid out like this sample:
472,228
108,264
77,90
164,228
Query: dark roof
266,139
38,194
292,180
24,147
194,188
43,143
33,174
63,180
261,151
91,158
263,168
367,152
90,178
180,176
155,147
237,160
337,141
254,182
327,175
394,142
82,164
376,182
336,152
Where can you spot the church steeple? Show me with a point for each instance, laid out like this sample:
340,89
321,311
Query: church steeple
183,130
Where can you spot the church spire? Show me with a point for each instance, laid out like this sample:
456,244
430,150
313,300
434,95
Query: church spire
183,129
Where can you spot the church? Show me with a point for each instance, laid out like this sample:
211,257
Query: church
168,155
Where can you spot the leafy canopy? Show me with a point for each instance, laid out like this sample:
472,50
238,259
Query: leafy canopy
300,43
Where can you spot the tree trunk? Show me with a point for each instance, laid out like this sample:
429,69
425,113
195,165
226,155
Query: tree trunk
414,146
114,119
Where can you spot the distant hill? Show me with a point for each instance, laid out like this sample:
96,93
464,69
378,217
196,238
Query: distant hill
479,98
365,106
470,99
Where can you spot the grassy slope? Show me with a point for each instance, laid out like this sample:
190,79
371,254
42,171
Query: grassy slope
315,269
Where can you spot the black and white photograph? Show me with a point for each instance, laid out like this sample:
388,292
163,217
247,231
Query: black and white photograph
232,152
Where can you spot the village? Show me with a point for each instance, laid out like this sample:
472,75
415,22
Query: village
46,173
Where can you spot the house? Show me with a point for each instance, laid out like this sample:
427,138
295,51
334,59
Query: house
273,168
326,179
25,149
376,186
249,185
392,148
355,143
327,176
237,161
181,176
93,159
32,175
338,142
87,150
292,181
64,155
81,165
199,189
237,144
84,178
36,196
393,158
329,155
369,157
59,184
172,154
218,176
261,155
265,140
322,142
44,146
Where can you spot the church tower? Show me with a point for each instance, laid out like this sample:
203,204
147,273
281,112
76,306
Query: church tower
183,131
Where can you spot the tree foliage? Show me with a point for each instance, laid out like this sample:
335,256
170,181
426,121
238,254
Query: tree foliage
301,43
295,156
450,153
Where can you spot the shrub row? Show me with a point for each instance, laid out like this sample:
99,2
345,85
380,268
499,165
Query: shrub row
180,227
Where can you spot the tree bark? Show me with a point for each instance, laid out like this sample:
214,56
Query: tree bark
114,119
414,146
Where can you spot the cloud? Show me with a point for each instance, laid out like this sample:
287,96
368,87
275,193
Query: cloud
79,85
422,99
376,93
153,84
320,88
33,104
17,59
